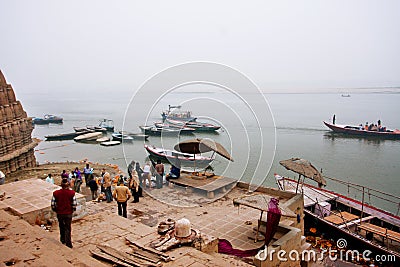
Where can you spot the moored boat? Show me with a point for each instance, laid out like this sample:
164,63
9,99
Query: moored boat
152,130
61,136
47,119
168,126
90,128
175,113
88,137
103,139
108,124
198,126
188,160
361,225
110,143
358,130
121,137
136,136
95,128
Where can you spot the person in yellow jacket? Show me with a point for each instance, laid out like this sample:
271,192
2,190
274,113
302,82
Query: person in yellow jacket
107,184
122,195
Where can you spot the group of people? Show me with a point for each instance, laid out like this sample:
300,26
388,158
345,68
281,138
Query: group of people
74,179
141,178
64,200
373,127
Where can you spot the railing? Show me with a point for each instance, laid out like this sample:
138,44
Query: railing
384,196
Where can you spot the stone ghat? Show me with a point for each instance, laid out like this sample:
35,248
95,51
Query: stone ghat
16,144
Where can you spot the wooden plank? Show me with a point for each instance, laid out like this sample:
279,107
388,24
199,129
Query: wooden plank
163,256
337,219
260,202
125,257
380,231
103,256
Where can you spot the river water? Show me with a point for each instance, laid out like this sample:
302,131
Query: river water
259,130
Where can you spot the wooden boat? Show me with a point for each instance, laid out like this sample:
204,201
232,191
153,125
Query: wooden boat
363,225
169,156
136,136
167,126
47,119
61,136
90,128
177,115
96,128
152,130
108,124
103,139
121,137
198,126
358,130
88,137
110,143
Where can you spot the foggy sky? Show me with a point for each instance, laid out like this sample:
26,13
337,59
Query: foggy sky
117,45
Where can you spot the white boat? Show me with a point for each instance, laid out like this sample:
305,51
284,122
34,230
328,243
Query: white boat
110,143
102,139
88,137
121,137
185,159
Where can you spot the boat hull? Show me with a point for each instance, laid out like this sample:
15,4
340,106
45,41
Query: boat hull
150,130
353,130
88,137
121,138
47,119
329,227
63,136
187,160
110,143
197,126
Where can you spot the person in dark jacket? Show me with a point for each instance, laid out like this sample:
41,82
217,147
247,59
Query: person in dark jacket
64,204
93,188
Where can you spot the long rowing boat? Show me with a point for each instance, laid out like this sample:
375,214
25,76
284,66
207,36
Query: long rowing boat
357,130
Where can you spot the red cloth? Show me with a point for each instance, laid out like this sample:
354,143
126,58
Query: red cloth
64,198
273,218
225,247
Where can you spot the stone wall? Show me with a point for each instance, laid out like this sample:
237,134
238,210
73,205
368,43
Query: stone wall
16,143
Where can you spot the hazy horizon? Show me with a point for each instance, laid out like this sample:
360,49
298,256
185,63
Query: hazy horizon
285,46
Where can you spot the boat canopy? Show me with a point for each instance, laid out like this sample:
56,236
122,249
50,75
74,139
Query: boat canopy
303,167
201,145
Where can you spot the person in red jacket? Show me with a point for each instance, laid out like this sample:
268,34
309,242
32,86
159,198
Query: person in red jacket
64,204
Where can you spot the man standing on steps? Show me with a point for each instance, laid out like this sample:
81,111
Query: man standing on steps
122,195
64,204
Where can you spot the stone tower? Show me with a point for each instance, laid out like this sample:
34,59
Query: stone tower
16,143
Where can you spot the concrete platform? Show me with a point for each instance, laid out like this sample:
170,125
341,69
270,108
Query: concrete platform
31,200
208,185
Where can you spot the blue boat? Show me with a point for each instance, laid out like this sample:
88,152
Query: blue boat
47,119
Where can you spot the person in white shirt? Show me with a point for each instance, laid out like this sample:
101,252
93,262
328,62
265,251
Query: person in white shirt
2,178
50,179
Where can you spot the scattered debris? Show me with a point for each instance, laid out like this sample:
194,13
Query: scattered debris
145,250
